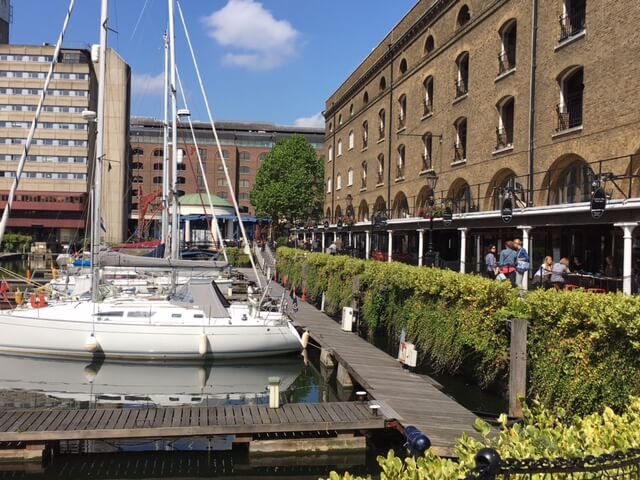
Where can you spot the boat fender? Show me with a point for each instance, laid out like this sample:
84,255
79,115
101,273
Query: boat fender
203,347
92,345
38,301
90,373
305,339
19,297
417,442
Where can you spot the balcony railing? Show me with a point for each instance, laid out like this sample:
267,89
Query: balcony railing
426,162
402,120
459,152
503,139
428,107
506,62
399,172
363,182
365,141
461,87
569,114
380,178
380,133
572,24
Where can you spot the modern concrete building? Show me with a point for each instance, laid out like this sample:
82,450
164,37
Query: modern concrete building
499,103
52,199
243,145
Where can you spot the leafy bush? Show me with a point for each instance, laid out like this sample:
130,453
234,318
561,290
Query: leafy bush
542,434
237,258
583,347
282,241
14,243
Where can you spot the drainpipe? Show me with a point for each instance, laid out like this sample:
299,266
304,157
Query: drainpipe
532,98
389,136
333,166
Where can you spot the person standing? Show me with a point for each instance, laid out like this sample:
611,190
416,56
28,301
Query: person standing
522,262
491,263
508,261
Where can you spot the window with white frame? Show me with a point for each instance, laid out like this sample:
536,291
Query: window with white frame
507,56
402,111
351,140
365,134
339,147
338,182
328,185
350,177
330,153
381,124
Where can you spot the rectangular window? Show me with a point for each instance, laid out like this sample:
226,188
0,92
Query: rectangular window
245,183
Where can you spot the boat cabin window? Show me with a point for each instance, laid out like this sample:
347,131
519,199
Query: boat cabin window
176,315
198,315
145,314
109,314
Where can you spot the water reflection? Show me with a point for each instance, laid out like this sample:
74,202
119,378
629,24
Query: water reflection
36,382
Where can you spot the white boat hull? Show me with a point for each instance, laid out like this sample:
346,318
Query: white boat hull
50,332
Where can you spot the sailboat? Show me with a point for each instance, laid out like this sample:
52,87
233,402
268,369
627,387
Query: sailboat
196,323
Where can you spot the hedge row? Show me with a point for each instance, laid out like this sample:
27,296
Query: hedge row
583,347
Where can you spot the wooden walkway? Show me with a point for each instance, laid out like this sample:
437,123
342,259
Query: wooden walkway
38,425
409,398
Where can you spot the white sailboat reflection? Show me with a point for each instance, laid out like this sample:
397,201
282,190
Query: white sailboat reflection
147,384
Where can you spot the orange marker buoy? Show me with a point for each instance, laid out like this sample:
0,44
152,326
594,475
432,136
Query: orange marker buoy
38,301
28,275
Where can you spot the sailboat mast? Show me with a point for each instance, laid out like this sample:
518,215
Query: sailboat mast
165,146
175,222
97,186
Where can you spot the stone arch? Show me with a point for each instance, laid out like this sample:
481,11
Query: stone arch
464,16
337,214
400,206
633,168
460,196
363,211
504,178
380,205
328,214
568,180
423,197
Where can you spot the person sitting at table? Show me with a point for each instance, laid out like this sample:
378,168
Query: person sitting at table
577,265
610,269
542,277
559,272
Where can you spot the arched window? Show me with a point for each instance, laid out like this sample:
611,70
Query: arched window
380,170
462,200
157,180
573,20
403,66
157,152
244,156
137,151
262,157
328,185
136,179
340,119
181,166
462,67
338,182
428,96
331,127
365,98
339,148
504,130
569,110
507,56
330,153
509,186
363,175
400,206
137,165
383,84
351,111
225,154
464,16
381,124
429,45
365,134
363,211
402,111
427,142
573,184
460,146
400,164
350,177
352,140
181,180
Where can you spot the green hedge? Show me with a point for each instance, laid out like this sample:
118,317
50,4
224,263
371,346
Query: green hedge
237,258
542,434
583,347
16,243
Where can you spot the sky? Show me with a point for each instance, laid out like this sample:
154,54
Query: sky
274,61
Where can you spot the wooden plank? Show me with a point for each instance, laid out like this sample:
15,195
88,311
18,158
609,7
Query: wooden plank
212,416
105,419
257,412
64,425
288,414
86,420
151,417
34,425
274,418
62,415
195,417
132,419
124,416
203,416
93,423
313,410
177,416
8,418
229,416
115,418
331,412
168,416
247,417
185,414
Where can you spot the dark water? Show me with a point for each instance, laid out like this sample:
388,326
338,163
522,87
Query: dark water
45,383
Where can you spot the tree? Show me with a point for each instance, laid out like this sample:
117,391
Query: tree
289,184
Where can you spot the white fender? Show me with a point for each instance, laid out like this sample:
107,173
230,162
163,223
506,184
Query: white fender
203,346
90,373
305,339
92,345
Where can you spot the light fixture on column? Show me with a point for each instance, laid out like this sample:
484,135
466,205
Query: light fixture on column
431,179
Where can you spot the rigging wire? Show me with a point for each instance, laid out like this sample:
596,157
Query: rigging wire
224,162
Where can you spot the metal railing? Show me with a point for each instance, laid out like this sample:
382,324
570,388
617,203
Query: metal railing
506,61
617,465
402,120
459,152
426,162
502,138
428,106
380,178
461,87
569,114
399,172
572,24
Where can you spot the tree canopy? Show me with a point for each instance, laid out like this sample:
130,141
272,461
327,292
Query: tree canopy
289,184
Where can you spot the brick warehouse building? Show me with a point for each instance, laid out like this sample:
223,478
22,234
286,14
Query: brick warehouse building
468,92
244,145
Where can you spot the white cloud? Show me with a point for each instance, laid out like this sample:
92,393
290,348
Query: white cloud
314,121
264,42
146,84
